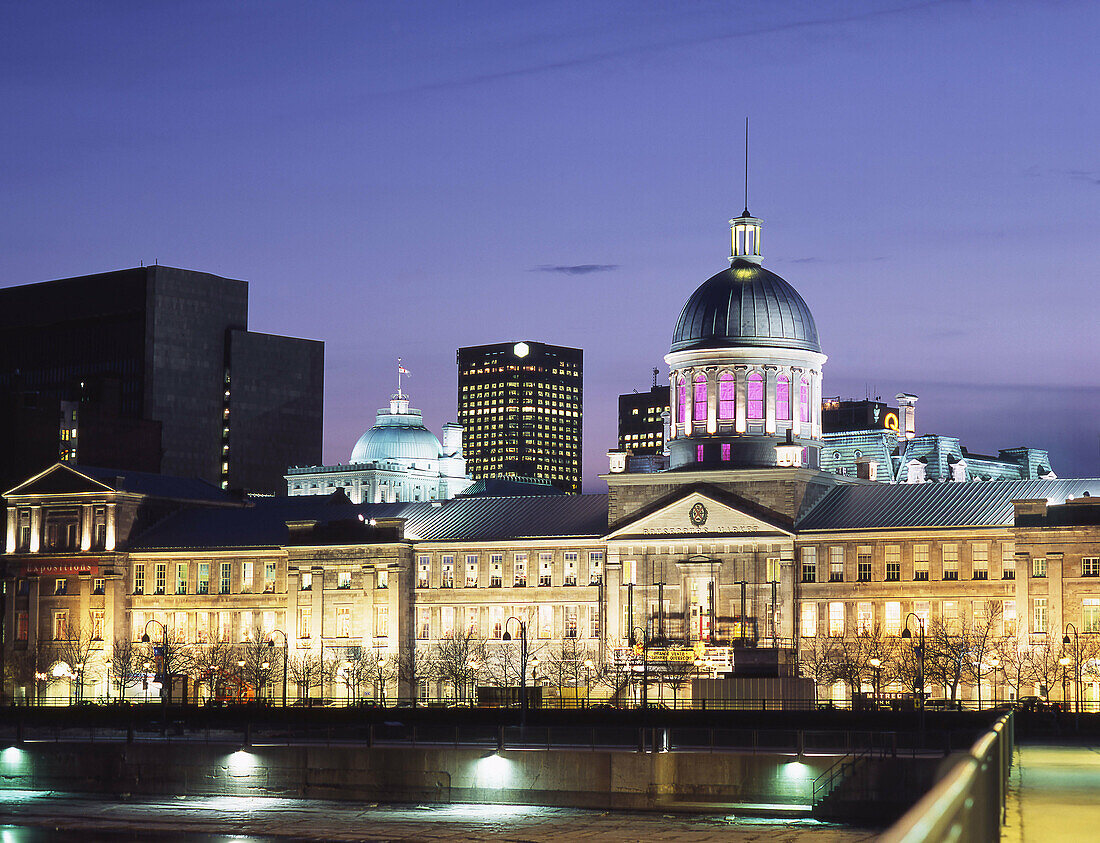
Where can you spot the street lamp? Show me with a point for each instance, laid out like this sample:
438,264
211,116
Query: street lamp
906,634
40,680
472,665
994,663
286,656
1076,674
166,687
522,665
381,681
240,681
588,665
645,665
876,666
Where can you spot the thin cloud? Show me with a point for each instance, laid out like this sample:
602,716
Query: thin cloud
1089,176
609,55
576,268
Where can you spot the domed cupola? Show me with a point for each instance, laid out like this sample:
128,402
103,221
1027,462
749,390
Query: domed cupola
399,437
745,368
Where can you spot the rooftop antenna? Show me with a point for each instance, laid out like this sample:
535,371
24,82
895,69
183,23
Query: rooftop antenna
656,372
746,166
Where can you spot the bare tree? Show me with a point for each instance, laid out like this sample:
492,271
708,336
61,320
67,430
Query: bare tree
123,662
413,667
19,669
215,664
981,642
75,649
457,659
168,652
258,657
1017,664
306,673
1045,655
816,657
947,656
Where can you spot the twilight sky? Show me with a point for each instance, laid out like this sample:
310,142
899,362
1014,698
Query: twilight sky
404,178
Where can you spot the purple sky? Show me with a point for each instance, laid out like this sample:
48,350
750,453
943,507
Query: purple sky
403,178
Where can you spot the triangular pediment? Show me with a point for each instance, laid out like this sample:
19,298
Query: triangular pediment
700,513
58,479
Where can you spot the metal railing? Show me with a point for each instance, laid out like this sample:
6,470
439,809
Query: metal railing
968,802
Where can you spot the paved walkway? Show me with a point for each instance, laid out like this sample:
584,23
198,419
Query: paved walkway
1054,794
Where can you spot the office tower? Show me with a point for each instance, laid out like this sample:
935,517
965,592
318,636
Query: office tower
520,405
641,420
155,369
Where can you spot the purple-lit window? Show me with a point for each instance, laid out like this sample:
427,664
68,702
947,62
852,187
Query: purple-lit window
699,411
726,393
783,398
698,453
725,452
804,401
756,396
681,400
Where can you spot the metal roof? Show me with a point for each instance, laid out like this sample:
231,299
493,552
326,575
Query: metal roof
745,305
884,506
263,524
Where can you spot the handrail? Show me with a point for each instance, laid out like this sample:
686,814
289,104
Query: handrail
967,803
828,779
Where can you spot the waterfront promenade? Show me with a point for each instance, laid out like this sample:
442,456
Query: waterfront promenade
1054,794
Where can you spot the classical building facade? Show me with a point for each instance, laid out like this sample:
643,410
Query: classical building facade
745,546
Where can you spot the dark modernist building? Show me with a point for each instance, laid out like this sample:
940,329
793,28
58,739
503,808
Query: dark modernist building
154,369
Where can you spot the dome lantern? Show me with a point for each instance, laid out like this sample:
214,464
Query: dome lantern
745,238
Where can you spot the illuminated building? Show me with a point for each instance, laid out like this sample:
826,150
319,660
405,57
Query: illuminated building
520,406
157,368
746,545
398,459
642,420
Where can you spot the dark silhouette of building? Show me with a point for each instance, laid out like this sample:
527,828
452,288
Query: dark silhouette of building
520,406
154,369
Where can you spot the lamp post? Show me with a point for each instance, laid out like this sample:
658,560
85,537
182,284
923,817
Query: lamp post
381,681
1076,673
994,663
39,685
286,656
876,666
645,665
166,687
522,665
472,665
588,665
906,634
240,681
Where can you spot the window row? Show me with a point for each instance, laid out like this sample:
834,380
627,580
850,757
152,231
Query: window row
248,577
888,568
492,622
838,618
492,573
791,395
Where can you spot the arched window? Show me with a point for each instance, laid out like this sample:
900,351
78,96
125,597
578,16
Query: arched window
726,392
783,398
804,401
756,396
681,400
699,411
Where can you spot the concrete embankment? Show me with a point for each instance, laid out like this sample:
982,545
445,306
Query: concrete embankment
581,778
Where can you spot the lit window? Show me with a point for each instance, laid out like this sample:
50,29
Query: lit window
305,622
97,624
247,577
864,618
979,555
381,621
305,580
950,561
681,399
423,564
595,567
61,625
1008,616
783,398
1090,566
269,577
423,623
520,570
1008,561
698,453
804,401
382,578
1040,613
448,565
98,585
1039,566
545,560
892,618
893,562
471,570
343,621
343,579
809,620
809,564
920,562
202,585
570,578
725,452
181,578
161,573
223,583
836,619
836,564
726,393
755,396
699,408
863,563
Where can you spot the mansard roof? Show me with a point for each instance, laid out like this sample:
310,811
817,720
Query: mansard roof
263,523
883,506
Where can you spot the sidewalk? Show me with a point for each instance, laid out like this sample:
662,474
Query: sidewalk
1054,794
